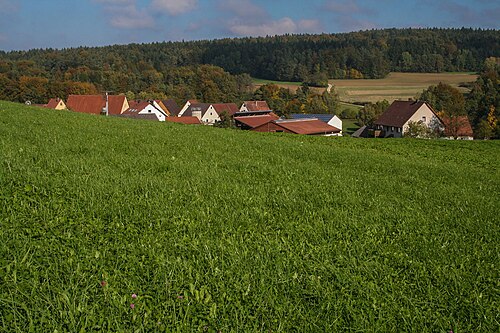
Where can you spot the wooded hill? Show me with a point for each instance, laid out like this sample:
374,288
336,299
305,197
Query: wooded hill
172,68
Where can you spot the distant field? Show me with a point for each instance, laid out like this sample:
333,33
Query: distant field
394,86
260,82
119,225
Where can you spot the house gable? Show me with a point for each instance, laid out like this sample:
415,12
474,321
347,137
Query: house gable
210,116
254,106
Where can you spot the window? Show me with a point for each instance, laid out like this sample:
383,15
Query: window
424,119
392,128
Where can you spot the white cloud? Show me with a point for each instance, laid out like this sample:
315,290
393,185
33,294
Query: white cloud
129,17
174,7
269,28
124,14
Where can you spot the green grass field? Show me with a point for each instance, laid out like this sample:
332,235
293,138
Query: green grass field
260,82
233,231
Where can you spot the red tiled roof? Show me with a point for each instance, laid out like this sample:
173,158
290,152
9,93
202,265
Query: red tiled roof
136,106
86,103
229,108
256,105
53,103
457,126
184,120
116,103
306,126
95,103
398,113
256,121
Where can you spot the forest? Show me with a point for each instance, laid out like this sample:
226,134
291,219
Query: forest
222,70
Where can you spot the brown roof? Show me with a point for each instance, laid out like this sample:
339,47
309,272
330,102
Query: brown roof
305,126
399,112
256,105
229,108
172,106
256,121
136,106
184,120
53,103
94,104
203,107
457,126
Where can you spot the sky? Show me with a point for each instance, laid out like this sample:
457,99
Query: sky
29,24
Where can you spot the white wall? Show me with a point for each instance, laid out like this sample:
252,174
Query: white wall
150,109
426,116
210,117
336,122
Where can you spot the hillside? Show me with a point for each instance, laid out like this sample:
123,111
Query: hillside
225,230
183,70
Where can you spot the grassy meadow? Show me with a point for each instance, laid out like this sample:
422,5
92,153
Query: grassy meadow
118,225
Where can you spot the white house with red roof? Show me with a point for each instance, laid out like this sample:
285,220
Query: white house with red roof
143,108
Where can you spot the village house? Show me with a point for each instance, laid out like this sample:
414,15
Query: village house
172,107
56,104
299,126
330,119
395,120
254,107
457,128
207,113
98,104
186,106
145,110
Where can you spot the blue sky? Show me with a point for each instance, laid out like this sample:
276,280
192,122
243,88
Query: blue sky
28,24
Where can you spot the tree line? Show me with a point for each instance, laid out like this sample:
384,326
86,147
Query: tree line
305,58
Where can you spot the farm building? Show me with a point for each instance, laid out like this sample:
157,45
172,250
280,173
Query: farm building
395,120
96,104
330,119
457,128
250,122
299,126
